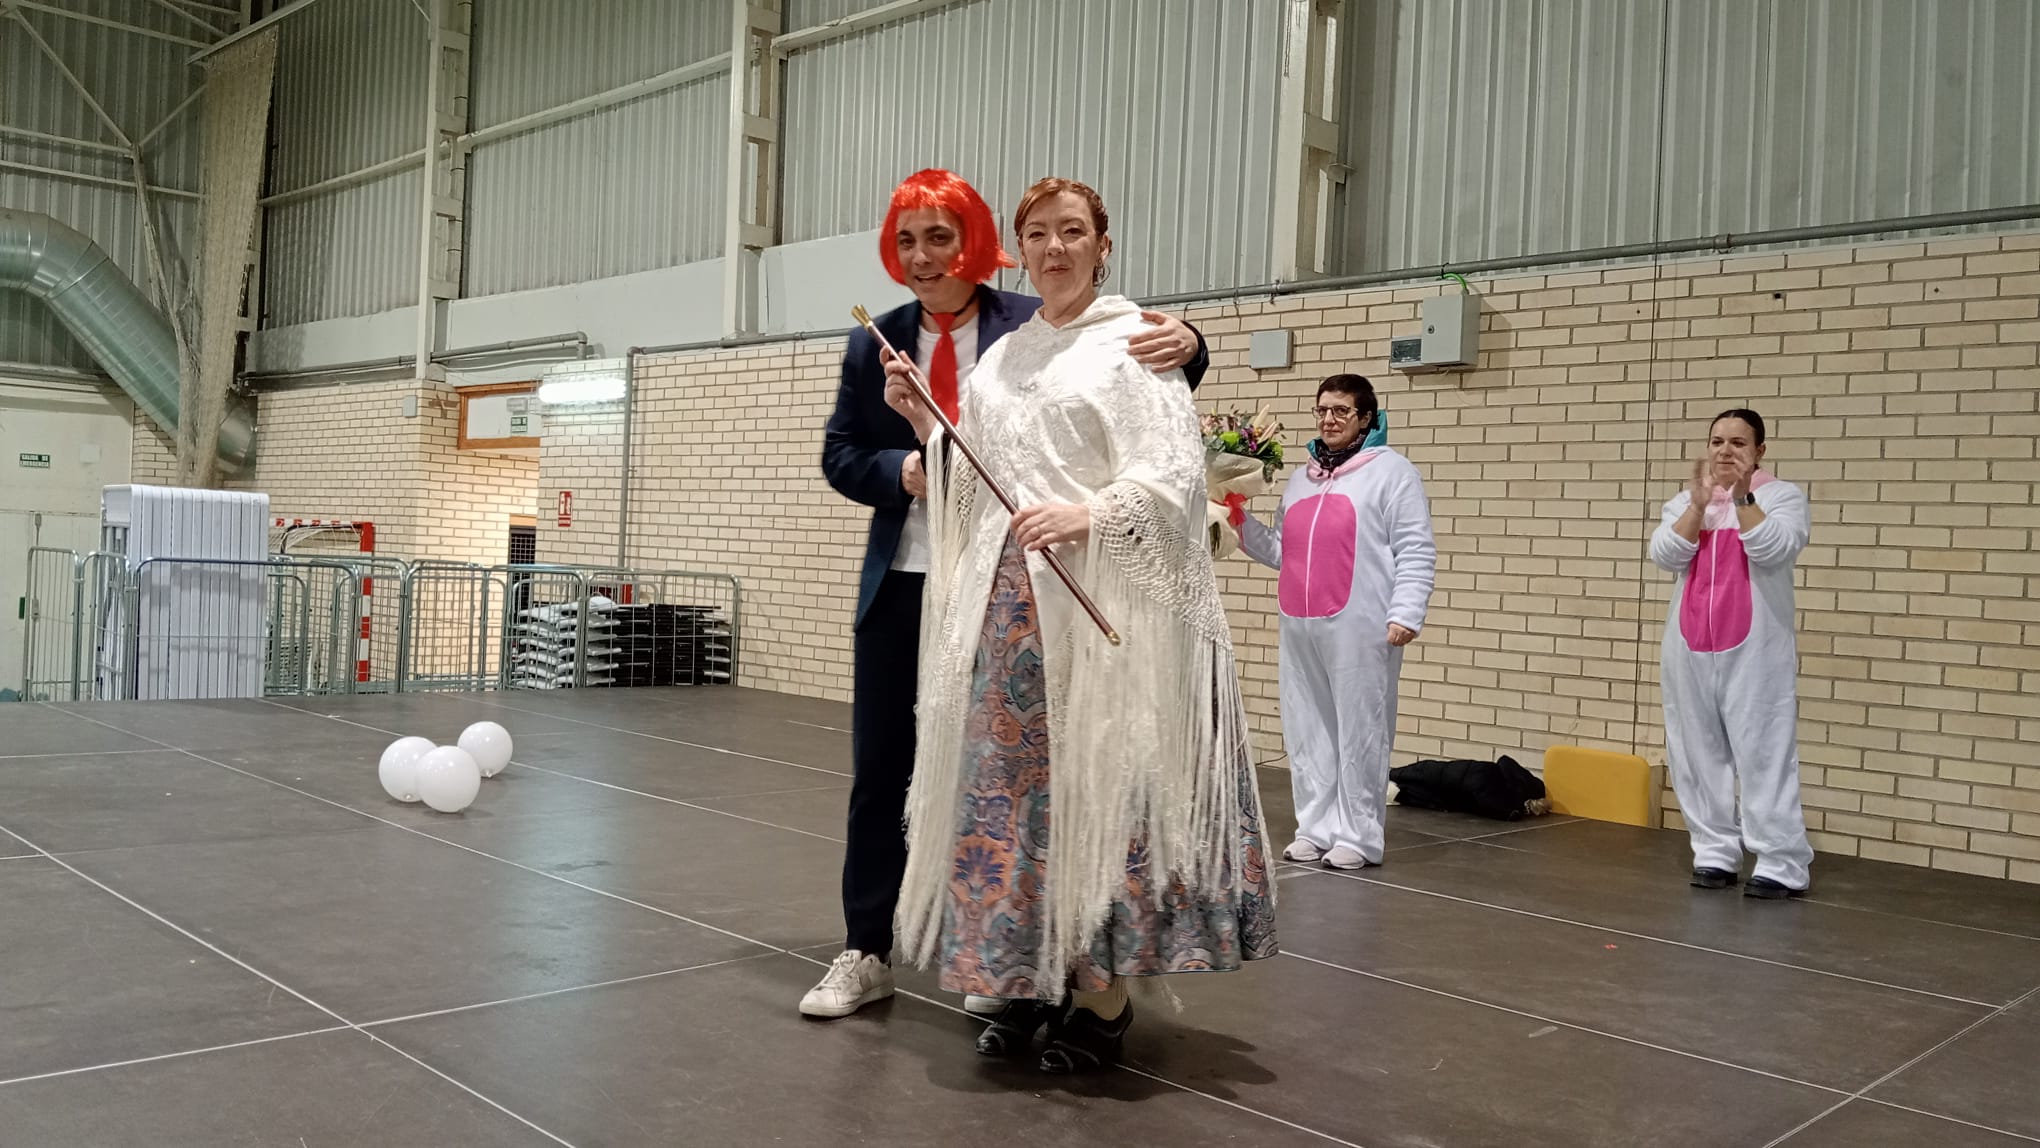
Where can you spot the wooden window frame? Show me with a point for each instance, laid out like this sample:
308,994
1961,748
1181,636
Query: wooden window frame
521,442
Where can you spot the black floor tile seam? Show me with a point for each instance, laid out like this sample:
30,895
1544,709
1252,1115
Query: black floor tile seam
950,1006
1909,1062
375,1024
478,700
180,1054
1538,824
474,851
684,804
1871,1100
1574,1026
570,989
222,954
816,725
1634,935
1814,899
796,790
7,757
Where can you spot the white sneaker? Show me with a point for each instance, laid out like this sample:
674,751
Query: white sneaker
1301,850
976,1005
853,981
1345,857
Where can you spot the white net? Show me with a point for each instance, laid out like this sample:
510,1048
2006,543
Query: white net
235,123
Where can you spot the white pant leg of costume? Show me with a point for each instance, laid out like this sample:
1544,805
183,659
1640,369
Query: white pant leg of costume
1310,733
1701,757
1760,711
1339,681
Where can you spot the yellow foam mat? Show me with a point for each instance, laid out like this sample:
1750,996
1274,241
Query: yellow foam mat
1599,784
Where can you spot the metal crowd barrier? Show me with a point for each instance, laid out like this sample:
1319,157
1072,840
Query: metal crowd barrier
342,624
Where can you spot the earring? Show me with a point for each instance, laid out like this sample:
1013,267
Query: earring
1101,273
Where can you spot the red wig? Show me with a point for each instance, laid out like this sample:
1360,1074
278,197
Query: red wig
981,255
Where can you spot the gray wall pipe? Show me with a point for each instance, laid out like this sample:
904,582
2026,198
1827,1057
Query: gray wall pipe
110,316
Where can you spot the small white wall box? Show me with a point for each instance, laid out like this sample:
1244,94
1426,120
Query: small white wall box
1451,337
1268,350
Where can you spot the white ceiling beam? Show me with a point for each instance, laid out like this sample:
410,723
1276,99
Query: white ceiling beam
64,141
270,20
13,8
135,29
184,14
854,23
95,180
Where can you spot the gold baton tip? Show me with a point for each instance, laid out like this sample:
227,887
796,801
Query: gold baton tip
1112,636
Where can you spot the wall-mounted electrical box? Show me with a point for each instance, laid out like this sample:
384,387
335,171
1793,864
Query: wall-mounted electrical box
1451,337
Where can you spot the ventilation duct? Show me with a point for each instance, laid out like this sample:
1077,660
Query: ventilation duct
109,315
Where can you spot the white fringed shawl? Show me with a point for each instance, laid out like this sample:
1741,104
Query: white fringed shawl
1147,736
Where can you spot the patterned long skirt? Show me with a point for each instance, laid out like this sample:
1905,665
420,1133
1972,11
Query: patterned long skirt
992,924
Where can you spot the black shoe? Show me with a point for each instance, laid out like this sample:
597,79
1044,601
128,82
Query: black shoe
1769,890
1014,1028
1087,1043
1713,878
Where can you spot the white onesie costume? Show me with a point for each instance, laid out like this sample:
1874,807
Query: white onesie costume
1355,551
1731,675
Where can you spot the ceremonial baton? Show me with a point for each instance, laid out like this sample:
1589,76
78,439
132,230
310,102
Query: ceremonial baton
927,397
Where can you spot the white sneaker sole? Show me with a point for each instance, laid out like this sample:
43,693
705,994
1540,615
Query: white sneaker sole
983,1006
831,1012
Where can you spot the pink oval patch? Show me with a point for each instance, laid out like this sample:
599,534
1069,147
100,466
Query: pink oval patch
1318,535
1714,612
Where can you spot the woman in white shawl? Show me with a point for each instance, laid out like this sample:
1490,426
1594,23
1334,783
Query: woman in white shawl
1081,812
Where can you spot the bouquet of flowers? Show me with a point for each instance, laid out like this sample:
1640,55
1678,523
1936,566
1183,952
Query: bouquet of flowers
1240,459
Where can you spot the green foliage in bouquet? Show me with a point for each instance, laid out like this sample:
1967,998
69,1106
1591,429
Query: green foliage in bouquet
1256,438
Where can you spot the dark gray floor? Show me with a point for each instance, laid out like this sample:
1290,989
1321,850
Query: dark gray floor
218,930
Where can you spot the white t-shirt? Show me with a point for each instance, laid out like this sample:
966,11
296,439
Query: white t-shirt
913,554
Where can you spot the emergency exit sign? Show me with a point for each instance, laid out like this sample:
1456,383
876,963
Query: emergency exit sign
38,461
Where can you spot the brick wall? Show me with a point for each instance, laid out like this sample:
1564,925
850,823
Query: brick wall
349,452
1900,383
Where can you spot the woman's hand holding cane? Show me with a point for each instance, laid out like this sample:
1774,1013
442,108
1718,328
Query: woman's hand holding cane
919,408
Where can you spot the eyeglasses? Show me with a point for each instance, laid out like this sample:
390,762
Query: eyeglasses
1340,413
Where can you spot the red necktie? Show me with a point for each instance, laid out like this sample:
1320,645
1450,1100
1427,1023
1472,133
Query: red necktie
942,366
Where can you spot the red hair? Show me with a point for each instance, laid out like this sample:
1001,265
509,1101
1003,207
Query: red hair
981,256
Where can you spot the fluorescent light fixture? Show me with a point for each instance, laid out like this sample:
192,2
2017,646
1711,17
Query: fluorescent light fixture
582,387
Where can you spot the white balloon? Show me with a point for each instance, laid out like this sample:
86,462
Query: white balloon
489,744
448,779
399,767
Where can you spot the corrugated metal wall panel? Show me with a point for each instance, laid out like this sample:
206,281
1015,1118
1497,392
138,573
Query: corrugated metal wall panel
630,187
530,55
1166,106
350,90
350,93
350,252
1483,128
138,81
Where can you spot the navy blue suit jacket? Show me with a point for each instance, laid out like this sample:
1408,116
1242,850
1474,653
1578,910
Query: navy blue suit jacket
867,441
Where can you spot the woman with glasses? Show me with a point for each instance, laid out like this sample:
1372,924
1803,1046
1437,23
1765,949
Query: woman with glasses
1353,542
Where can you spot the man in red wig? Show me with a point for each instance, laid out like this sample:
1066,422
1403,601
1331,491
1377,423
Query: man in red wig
941,242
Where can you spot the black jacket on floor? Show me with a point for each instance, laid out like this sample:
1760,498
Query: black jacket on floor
1496,789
